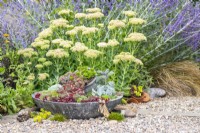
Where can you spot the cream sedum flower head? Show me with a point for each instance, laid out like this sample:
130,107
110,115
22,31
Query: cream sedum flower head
27,52
123,57
45,47
57,41
47,63
92,10
72,32
80,15
57,53
42,59
101,25
90,30
46,33
61,22
113,24
40,43
102,45
66,44
113,42
129,13
135,37
79,47
43,76
64,12
138,61
137,21
31,77
91,53
80,28
95,15
39,66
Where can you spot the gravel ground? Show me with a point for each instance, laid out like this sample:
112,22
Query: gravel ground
166,115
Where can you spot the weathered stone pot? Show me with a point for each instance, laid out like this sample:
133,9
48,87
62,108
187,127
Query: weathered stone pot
76,110
92,84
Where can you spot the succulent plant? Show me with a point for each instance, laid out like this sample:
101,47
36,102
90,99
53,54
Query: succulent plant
108,89
72,83
136,90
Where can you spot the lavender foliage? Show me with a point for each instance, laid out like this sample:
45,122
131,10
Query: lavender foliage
23,19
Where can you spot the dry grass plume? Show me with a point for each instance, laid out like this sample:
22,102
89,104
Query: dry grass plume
179,79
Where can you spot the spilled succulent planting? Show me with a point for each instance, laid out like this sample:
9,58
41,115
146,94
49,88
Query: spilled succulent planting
86,39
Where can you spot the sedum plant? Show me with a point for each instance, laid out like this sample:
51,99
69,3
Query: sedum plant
88,39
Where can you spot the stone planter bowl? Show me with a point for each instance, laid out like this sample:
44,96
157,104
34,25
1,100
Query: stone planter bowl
91,85
76,110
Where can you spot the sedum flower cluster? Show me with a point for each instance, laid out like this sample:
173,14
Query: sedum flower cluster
45,33
79,47
137,21
64,12
42,44
91,53
114,24
57,53
129,13
126,57
27,52
63,43
135,37
43,76
61,22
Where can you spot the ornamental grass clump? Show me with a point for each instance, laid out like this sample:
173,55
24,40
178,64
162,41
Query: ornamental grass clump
86,39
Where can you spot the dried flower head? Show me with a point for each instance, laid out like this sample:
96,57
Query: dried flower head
102,45
80,15
43,76
129,13
57,53
135,37
91,53
46,33
92,10
137,21
79,47
113,24
113,42
95,15
123,57
61,22
64,12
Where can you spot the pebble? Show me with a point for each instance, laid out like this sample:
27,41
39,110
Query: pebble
140,123
156,93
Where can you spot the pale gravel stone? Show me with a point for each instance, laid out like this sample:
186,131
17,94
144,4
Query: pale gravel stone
146,122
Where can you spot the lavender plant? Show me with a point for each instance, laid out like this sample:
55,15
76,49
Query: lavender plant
24,19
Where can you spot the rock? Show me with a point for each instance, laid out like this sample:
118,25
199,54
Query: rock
112,122
126,110
24,114
130,113
156,92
